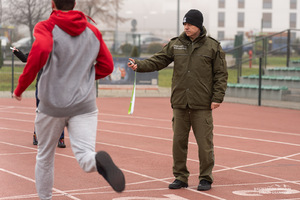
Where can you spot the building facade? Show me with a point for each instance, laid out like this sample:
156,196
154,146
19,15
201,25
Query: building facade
227,18
223,19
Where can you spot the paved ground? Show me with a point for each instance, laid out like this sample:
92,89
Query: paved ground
152,91
257,153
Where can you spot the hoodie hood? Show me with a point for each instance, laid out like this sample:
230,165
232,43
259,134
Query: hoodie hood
72,22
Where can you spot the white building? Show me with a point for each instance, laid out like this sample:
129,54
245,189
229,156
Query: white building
230,17
222,18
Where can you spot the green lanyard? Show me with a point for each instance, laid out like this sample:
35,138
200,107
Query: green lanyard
132,101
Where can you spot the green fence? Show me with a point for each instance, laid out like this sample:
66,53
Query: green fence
280,49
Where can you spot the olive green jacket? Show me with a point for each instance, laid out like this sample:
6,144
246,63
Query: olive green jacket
200,70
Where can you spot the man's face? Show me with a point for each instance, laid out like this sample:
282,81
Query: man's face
191,31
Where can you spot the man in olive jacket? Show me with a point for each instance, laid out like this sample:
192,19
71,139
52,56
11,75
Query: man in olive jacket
198,86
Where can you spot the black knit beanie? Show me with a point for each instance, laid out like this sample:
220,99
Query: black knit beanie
194,17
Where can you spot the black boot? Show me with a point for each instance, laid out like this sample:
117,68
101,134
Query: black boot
35,142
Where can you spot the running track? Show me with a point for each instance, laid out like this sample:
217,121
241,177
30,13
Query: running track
257,152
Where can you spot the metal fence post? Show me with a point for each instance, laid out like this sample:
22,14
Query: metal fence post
288,48
12,73
97,87
259,81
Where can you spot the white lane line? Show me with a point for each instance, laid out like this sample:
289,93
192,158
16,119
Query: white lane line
17,145
246,171
251,184
223,135
129,171
166,128
13,129
16,120
167,182
260,140
11,154
19,107
134,117
194,160
258,130
136,149
170,140
169,128
216,125
33,181
258,163
164,120
267,176
3,108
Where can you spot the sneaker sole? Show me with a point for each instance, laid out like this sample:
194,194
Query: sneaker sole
112,174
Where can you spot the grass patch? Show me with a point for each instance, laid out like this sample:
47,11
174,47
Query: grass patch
232,73
6,78
165,75
274,61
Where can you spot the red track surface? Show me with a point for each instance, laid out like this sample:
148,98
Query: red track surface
257,152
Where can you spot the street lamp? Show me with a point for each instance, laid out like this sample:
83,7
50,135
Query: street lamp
178,15
116,30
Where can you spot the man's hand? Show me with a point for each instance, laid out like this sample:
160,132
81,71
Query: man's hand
14,49
19,98
215,105
132,64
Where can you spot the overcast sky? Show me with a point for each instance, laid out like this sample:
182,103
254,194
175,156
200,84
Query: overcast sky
157,16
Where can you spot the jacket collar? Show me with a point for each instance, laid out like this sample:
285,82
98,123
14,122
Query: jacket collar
200,39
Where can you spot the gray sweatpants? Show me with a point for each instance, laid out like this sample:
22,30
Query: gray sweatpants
82,130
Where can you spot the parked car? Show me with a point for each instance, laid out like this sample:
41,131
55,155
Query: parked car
228,46
143,40
278,45
4,46
148,40
23,44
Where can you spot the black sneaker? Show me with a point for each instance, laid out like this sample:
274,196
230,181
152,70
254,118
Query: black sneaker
112,174
61,143
204,185
35,142
177,184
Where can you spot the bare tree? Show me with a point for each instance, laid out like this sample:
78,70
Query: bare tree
1,12
104,10
27,12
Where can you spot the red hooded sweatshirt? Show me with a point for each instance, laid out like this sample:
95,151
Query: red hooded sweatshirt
72,54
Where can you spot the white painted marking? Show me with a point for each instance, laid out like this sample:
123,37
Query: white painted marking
271,190
166,120
33,181
226,168
169,197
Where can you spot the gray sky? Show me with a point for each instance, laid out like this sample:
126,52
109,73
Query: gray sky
157,16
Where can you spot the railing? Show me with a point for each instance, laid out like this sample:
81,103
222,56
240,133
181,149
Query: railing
282,44
263,50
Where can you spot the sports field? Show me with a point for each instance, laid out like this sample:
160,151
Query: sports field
257,151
